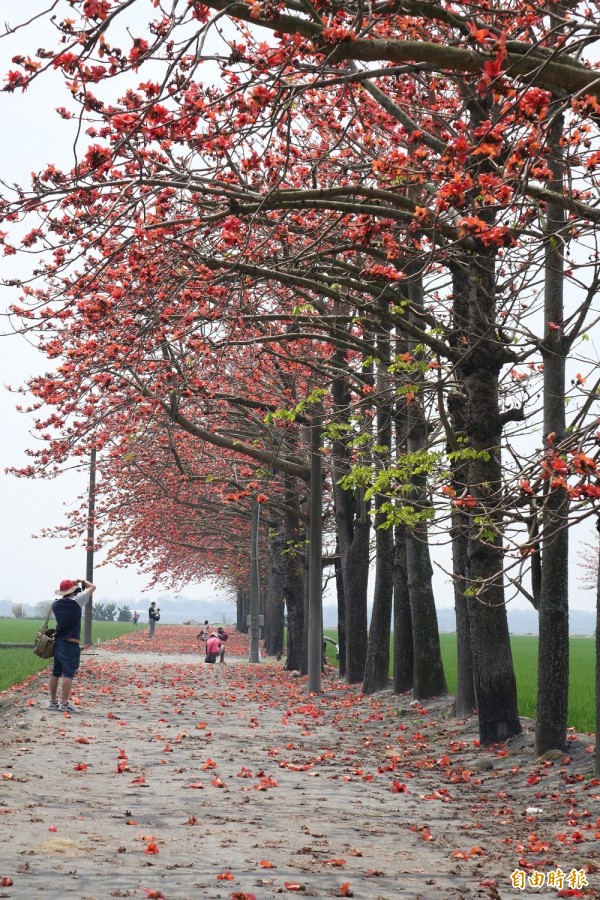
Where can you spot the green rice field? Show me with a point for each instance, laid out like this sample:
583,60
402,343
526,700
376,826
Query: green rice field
525,648
17,664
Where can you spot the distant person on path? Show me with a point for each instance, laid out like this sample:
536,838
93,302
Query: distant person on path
136,617
213,648
204,632
73,595
152,614
223,637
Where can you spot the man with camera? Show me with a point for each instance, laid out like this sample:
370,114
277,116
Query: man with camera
153,618
72,597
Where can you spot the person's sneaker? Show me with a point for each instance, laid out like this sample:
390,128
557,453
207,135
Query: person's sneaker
53,706
67,707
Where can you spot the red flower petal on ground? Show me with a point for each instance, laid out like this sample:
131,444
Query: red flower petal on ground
398,787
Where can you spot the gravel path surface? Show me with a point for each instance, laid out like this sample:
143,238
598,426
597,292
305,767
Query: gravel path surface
181,780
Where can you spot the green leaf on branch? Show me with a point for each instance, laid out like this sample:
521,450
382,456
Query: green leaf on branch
290,415
404,514
303,309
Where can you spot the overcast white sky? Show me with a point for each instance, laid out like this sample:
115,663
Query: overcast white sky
34,135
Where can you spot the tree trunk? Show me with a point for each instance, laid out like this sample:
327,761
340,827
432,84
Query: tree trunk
341,608
275,607
464,700
238,608
294,598
355,569
305,605
352,530
494,680
404,658
377,666
482,357
314,547
553,646
293,575
243,608
553,643
429,679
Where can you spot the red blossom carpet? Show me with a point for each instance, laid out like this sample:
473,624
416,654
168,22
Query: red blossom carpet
180,780
176,639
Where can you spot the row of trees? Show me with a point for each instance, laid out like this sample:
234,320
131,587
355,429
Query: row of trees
109,612
379,221
101,612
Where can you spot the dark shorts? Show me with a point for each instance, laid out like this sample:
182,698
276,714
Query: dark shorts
66,659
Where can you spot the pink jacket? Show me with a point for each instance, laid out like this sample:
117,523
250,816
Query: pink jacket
213,645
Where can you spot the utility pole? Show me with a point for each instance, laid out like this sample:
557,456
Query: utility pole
89,567
315,561
254,656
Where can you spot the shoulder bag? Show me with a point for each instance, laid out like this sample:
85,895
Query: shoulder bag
45,640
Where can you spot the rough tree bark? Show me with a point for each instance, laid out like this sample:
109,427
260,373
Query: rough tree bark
484,357
341,608
238,607
464,700
293,585
377,666
553,645
429,679
404,657
305,605
275,606
352,530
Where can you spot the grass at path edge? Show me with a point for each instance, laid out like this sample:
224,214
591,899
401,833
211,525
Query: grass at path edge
17,664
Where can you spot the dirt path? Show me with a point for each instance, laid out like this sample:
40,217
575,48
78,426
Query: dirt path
195,781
